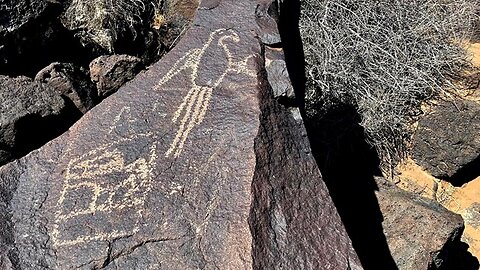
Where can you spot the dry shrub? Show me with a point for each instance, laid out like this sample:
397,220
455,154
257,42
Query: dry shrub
384,58
104,20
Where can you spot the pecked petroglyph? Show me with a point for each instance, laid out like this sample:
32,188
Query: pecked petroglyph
92,192
104,187
193,108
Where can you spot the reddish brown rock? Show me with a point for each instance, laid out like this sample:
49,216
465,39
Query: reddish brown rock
421,234
446,142
191,165
110,72
71,82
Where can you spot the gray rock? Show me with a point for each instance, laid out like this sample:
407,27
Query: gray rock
69,81
278,74
448,140
109,72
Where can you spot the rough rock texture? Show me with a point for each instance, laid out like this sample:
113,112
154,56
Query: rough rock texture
109,72
10,9
419,231
69,81
31,37
29,108
447,141
191,165
278,75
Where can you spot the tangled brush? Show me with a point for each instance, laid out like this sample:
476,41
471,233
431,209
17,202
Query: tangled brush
384,58
105,20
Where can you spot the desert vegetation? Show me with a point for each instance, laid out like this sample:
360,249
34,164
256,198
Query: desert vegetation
385,59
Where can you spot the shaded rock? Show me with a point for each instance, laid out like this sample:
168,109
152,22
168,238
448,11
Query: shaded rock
163,174
446,142
69,81
111,72
420,233
267,17
14,14
31,37
30,115
278,75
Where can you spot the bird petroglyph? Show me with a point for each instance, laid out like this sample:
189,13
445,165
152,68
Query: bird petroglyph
107,185
193,108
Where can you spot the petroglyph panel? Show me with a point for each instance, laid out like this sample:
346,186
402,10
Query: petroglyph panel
195,103
109,184
103,188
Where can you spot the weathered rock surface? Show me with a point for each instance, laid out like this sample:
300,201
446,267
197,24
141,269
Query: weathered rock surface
420,232
278,75
110,72
447,140
69,81
11,9
191,165
28,108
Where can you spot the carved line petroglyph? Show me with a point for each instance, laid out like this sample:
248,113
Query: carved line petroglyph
194,105
103,184
87,171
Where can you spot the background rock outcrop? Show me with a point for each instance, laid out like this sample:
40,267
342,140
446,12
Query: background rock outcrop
421,234
30,107
447,141
111,72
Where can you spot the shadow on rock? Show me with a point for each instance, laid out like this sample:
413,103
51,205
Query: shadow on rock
348,165
346,161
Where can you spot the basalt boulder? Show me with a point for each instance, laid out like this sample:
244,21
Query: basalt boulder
109,72
420,233
30,115
446,142
71,82
191,165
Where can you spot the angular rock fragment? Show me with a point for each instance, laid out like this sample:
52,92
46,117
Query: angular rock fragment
30,114
111,72
69,81
278,75
191,165
447,140
419,231
11,9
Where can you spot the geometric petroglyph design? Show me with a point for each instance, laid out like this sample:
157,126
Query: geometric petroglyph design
104,192
194,105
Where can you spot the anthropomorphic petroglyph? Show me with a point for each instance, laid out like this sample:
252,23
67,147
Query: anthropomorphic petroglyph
194,105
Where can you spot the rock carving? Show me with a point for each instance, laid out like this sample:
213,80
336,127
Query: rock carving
92,189
194,106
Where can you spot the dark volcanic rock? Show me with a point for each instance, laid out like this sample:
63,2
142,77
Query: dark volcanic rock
447,140
111,72
191,165
14,13
419,231
278,74
31,37
69,81
30,115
